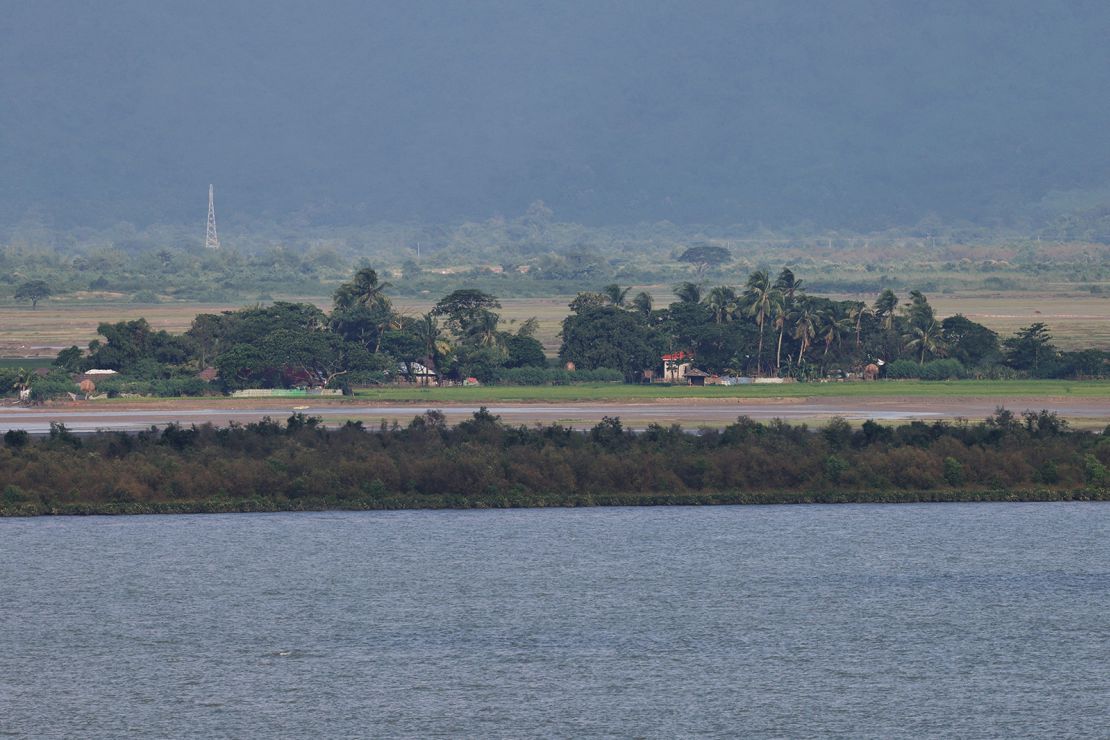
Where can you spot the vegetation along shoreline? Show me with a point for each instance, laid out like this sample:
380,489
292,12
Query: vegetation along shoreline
300,465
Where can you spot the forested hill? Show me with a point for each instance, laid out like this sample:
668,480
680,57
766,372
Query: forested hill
851,114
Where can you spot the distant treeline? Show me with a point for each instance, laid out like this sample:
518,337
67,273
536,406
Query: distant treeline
268,466
767,326
535,254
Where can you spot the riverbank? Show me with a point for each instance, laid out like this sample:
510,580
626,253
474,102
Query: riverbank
539,501
483,462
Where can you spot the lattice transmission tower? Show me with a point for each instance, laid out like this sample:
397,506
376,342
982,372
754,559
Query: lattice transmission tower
211,239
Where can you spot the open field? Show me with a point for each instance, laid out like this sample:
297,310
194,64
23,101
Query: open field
55,325
1076,319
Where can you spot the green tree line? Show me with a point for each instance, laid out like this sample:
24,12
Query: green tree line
482,462
770,326
765,327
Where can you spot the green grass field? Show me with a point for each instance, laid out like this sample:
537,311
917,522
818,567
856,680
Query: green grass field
621,392
28,363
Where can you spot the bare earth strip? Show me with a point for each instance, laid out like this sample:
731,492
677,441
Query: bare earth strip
1092,412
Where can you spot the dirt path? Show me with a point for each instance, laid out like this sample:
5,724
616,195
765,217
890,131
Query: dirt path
90,416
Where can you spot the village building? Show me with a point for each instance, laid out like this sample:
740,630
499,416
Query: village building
696,377
675,366
417,374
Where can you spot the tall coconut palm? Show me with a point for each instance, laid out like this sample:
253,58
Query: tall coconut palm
688,292
805,327
365,289
483,332
927,339
779,316
858,310
435,345
616,294
832,328
788,285
643,303
885,306
722,302
790,289
761,295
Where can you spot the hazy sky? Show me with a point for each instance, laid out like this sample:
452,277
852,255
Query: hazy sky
842,113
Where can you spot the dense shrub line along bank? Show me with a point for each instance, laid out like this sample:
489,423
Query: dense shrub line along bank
481,463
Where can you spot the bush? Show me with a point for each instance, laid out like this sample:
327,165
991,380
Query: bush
16,438
953,472
943,370
164,387
54,385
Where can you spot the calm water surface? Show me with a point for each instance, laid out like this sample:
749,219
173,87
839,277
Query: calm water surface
984,620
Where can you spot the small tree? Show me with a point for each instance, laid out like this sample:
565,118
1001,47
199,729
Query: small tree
33,291
1030,348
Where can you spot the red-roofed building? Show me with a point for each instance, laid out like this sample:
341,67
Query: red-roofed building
676,365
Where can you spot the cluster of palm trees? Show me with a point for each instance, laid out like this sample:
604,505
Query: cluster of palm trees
778,304
460,328
780,309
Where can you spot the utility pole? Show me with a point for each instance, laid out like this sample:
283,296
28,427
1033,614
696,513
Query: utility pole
211,240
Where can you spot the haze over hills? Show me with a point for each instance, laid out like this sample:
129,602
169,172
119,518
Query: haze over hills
852,114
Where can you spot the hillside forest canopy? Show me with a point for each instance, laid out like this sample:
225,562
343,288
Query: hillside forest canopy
768,326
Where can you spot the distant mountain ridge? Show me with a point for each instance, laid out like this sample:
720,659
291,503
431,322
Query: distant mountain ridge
853,114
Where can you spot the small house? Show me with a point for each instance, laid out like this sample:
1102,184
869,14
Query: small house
419,374
696,377
675,366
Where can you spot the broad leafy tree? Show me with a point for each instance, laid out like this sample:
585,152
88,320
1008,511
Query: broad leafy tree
606,336
33,291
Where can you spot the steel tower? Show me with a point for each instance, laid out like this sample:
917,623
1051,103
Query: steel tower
211,240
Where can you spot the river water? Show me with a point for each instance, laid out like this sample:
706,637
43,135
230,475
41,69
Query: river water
979,620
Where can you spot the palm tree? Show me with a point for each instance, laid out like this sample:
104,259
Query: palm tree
779,315
885,306
856,313
484,330
688,292
365,289
917,310
927,340
832,328
643,303
790,289
805,327
761,296
426,328
615,294
722,302
788,285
